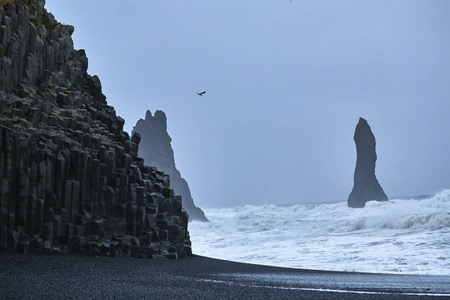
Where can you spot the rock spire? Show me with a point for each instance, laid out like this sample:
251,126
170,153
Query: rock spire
366,186
157,151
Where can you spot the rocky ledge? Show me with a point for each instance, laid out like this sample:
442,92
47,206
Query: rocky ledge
70,177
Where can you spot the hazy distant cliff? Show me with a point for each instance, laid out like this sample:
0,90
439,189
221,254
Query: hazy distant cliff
157,151
366,186
70,177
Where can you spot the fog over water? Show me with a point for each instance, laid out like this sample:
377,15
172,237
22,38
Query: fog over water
285,86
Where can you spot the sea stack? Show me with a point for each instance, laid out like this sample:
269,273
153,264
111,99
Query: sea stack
366,186
157,151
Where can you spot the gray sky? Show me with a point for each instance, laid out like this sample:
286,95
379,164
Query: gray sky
285,86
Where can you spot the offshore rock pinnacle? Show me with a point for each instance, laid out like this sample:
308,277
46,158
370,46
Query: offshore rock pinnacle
157,151
366,186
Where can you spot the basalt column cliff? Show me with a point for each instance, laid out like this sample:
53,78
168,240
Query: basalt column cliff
155,148
70,177
366,186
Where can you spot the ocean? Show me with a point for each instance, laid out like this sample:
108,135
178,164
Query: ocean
402,236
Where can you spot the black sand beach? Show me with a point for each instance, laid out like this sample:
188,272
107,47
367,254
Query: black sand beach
75,276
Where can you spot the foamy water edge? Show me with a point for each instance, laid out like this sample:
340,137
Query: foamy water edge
399,236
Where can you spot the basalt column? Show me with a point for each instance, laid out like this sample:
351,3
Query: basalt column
71,179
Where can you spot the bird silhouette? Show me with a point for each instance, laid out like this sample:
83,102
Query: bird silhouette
201,94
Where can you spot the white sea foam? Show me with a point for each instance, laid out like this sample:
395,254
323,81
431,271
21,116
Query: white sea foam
399,236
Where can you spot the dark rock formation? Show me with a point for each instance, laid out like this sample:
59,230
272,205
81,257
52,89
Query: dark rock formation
70,177
156,150
366,186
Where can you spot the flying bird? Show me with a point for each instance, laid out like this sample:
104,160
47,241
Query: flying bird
201,94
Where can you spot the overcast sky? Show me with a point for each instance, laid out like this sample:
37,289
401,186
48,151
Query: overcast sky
285,86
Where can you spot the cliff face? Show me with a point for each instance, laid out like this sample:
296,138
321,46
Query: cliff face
157,151
366,186
70,177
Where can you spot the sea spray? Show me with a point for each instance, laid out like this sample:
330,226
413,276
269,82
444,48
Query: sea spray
400,236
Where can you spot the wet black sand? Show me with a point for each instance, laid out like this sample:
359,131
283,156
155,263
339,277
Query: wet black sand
83,277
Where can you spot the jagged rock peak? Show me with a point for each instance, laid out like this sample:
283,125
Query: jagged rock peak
148,116
71,179
159,120
156,149
366,186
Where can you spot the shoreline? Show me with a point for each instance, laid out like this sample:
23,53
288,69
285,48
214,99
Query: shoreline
78,276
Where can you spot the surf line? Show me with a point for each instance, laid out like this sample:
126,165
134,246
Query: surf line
322,290
355,292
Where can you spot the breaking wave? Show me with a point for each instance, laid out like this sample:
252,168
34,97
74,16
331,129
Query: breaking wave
400,236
